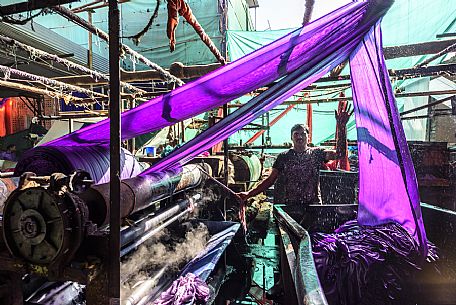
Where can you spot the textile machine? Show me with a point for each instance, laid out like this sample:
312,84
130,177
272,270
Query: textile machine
55,225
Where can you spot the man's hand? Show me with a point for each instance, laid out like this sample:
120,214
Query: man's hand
343,114
243,196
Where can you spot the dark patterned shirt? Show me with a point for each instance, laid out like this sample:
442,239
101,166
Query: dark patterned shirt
298,181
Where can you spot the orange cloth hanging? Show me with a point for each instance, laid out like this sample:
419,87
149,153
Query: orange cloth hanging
339,163
309,121
180,7
2,121
9,116
218,147
6,120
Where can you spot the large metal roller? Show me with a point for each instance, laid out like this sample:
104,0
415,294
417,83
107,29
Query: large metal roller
42,226
46,160
247,168
140,192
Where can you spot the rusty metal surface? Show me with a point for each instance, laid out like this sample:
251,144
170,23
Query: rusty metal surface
140,192
43,227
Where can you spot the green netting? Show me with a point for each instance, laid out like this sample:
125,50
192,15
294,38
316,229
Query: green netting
154,45
407,22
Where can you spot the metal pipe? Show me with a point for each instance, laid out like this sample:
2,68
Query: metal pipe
152,232
145,287
140,192
138,229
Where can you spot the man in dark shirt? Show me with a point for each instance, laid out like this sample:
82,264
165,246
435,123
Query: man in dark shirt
296,172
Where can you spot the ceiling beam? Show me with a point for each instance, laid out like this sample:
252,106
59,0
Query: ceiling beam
30,5
424,48
176,69
405,73
36,91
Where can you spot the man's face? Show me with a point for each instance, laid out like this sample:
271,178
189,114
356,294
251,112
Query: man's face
299,137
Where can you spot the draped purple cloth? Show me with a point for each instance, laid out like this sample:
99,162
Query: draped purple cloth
335,47
365,265
388,190
257,69
188,289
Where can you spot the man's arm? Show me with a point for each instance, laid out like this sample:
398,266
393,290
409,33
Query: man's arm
342,117
263,186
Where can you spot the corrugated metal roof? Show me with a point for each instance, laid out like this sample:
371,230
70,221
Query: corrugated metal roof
44,39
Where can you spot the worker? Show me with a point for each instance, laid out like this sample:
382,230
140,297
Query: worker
296,174
296,171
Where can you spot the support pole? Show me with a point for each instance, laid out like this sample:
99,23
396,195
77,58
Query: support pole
115,136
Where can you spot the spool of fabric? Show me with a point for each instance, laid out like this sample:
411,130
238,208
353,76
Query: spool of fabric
45,160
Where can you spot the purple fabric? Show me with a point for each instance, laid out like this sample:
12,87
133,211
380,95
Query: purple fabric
336,49
293,51
365,265
45,160
235,121
189,289
388,189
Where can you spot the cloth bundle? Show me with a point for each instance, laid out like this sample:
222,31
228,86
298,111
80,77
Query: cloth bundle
360,265
188,289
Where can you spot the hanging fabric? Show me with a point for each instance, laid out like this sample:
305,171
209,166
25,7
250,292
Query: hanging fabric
305,47
388,190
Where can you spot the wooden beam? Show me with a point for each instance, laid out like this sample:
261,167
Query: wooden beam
25,88
54,58
188,72
30,5
424,48
176,69
427,105
94,5
7,71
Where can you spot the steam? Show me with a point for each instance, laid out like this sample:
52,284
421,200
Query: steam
156,255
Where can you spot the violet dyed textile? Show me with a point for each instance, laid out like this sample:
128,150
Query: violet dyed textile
365,265
45,160
188,289
298,49
388,190
323,59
